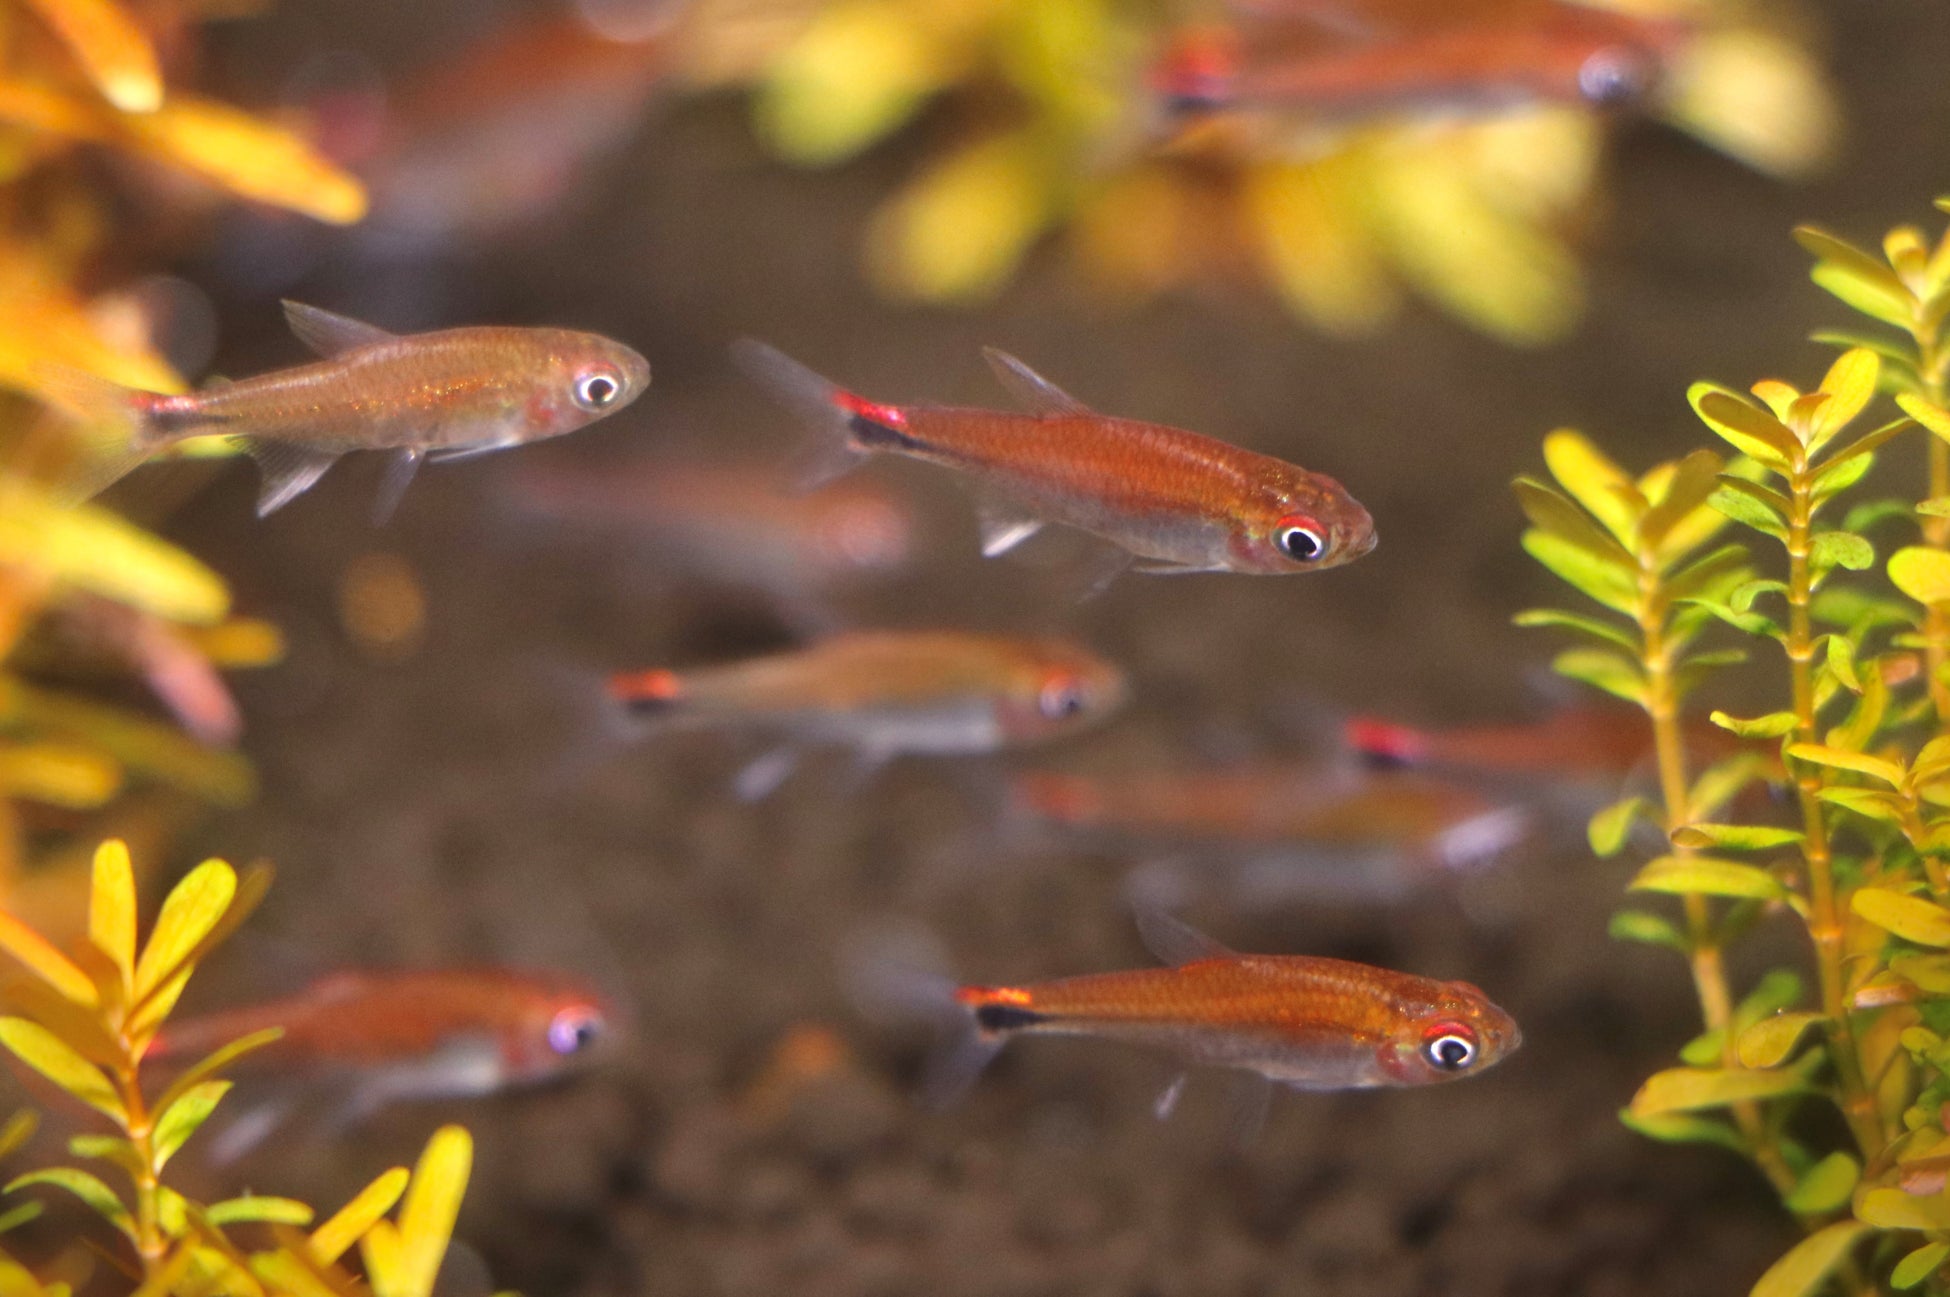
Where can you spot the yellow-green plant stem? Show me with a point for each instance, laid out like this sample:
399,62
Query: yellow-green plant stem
1702,943
1824,917
1931,360
150,1243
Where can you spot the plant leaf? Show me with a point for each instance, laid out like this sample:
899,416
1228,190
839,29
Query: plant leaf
1693,482
1921,573
1647,929
1868,802
1840,549
1736,837
1910,917
1594,481
330,1240
1933,417
1774,725
56,1060
1768,1042
1749,429
46,963
1678,1128
432,1204
1706,876
1918,1266
1577,567
1610,827
1894,1209
1825,1187
181,1118
1602,669
1686,1089
1860,763
1591,626
111,47
1550,512
190,911
1744,503
258,1208
86,1187
216,1060
1807,1265
111,912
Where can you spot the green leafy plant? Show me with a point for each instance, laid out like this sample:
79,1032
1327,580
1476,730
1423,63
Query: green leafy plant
84,1022
1861,740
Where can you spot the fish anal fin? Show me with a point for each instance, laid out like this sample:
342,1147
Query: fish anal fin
288,470
330,334
1037,394
1167,1101
1171,939
392,487
1004,526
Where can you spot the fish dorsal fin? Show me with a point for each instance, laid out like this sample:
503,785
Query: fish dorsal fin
1173,940
330,334
289,470
1037,394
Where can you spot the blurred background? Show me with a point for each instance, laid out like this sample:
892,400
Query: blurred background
1370,273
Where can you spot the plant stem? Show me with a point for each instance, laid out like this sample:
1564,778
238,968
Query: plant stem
1824,918
149,1240
1931,359
1703,943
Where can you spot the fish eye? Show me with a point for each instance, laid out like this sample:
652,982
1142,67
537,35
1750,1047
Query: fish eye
595,390
1061,698
1449,1047
1300,539
1611,77
574,1030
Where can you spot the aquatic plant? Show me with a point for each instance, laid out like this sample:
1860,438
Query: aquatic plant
84,1021
97,145
1048,125
1861,741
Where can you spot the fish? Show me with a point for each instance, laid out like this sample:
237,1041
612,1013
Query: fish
1466,63
1301,1021
887,693
730,522
409,1034
1596,743
1417,818
450,394
1179,500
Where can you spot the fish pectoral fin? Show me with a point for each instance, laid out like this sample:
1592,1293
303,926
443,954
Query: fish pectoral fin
1171,939
452,454
392,488
1167,1101
1004,527
288,470
1037,394
330,334
1178,569
762,777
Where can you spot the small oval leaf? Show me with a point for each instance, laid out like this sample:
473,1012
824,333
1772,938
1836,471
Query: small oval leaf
1910,917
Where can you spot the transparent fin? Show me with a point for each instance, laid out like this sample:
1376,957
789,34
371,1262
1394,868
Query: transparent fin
815,400
392,487
108,421
761,778
1036,394
1171,939
1003,528
952,1071
288,471
1167,1101
330,334
1251,1099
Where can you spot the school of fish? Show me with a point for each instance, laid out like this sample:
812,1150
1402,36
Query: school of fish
1410,809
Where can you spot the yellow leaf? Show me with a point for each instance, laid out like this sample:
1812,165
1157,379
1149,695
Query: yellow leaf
49,964
192,909
140,745
381,1248
1683,1089
958,230
240,642
1595,482
330,1240
111,912
1910,917
1921,573
1321,257
816,108
1809,1262
58,774
91,549
426,1220
1757,95
251,158
57,1060
1850,383
114,51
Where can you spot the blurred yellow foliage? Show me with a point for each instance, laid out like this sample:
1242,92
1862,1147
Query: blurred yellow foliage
1057,127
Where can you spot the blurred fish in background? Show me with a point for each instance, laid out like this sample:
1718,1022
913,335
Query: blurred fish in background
883,694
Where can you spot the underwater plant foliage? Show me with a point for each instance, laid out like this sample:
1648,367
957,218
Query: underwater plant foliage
89,119
1861,741
1050,126
83,1022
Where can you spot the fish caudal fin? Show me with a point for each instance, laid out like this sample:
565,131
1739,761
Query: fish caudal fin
896,977
118,426
992,1015
1384,743
848,426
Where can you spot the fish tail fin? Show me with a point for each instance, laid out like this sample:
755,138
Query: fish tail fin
118,427
1386,744
896,978
849,427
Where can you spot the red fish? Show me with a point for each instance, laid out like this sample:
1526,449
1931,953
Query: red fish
412,1033
1429,821
1310,1023
442,395
889,693
1596,743
1180,500
728,522
1467,62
